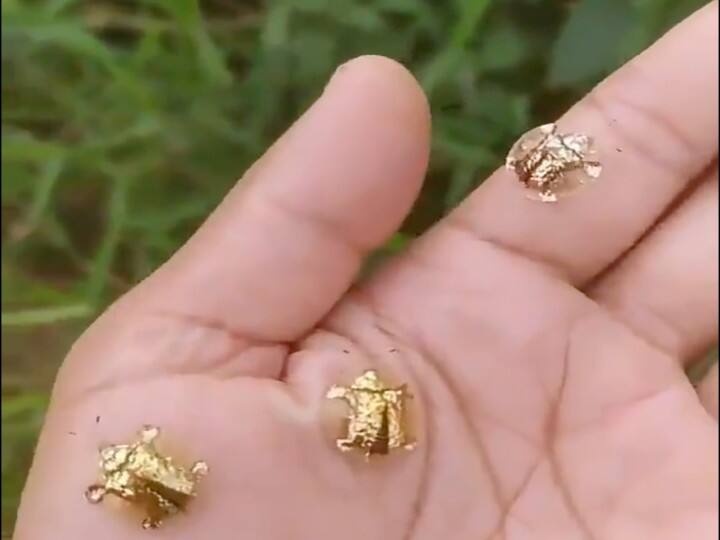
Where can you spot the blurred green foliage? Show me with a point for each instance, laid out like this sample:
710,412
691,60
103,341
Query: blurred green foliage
125,122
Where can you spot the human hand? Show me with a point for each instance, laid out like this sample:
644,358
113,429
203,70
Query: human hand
544,343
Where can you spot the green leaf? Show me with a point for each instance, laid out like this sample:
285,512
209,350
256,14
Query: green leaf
275,31
186,12
42,199
504,46
655,17
363,18
212,59
48,315
68,35
461,183
102,263
55,7
397,243
27,402
22,147
462,142
188,15
588,45
447,60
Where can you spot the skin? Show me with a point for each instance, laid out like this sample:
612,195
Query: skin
544,344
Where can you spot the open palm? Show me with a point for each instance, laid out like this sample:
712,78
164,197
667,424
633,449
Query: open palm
544,343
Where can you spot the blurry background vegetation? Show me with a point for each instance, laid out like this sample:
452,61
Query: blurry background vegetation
125,121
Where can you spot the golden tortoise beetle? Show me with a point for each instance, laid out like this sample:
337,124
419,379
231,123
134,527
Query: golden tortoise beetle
376,422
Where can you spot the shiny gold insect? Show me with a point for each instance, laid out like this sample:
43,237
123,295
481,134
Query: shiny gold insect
376,421
550,164
139,474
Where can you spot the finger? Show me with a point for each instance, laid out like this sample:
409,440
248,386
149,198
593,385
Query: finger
272,259
708,391
655,123
666,289
288,239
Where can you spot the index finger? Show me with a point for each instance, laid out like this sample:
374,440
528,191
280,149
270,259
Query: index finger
655,124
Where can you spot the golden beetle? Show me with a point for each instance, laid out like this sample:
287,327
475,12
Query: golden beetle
377,414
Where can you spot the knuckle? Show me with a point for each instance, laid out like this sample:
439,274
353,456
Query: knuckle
639,122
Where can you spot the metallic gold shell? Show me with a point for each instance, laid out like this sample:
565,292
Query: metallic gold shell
139,474
376,421
550,164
